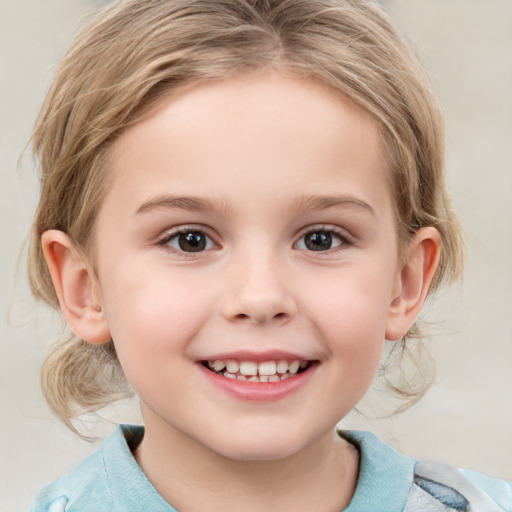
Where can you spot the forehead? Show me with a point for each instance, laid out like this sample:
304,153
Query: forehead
256,132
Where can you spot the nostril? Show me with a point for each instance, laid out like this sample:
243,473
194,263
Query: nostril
259,308
261,318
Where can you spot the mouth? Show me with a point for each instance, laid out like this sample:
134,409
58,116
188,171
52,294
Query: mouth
252,371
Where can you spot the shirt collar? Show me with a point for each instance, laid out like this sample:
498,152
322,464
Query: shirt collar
129,485
385,476
384,482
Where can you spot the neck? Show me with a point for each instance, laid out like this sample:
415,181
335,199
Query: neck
191,477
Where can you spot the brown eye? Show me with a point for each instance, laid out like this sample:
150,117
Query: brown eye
321,240
189,241
192,242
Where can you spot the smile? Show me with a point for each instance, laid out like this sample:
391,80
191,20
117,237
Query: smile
251,371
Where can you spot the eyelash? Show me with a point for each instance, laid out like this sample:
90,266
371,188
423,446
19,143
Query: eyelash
174,235
344,240
210,243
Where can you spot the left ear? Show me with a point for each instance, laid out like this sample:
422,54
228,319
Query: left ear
413,281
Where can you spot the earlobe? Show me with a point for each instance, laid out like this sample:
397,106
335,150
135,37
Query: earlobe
413,281
76,285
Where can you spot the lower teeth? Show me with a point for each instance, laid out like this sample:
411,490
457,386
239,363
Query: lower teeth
256,378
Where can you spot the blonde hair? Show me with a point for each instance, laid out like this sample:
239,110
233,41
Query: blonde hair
135,52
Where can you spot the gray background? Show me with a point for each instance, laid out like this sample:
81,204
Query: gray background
466,419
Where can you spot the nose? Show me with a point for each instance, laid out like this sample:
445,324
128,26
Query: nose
258,292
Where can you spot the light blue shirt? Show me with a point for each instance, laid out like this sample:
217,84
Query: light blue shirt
110,480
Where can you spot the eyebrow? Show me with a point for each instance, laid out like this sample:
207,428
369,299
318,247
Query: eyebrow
188,203
314,202
304,203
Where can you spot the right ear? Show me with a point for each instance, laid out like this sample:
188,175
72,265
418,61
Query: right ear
77,287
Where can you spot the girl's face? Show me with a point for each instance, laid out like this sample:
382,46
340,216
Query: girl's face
249,229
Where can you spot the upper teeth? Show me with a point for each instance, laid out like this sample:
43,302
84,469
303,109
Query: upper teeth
251,368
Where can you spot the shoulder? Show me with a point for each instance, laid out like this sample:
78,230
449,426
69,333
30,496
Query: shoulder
84,487
406,485
457,489
91,485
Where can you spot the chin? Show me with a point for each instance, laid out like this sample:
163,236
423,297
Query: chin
260,448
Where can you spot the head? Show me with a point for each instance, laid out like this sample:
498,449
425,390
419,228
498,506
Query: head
134,55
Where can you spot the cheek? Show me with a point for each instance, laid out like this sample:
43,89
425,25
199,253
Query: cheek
359,336
351,316
355,301
152,324
150,315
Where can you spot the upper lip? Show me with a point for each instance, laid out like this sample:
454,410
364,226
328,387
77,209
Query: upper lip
258,357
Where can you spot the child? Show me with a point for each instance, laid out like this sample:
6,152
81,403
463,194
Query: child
241,200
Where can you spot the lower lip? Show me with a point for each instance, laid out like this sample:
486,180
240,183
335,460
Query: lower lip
259,391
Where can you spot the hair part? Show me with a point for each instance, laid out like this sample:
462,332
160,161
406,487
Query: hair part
136,52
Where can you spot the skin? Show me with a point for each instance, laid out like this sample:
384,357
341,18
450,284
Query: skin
266,159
